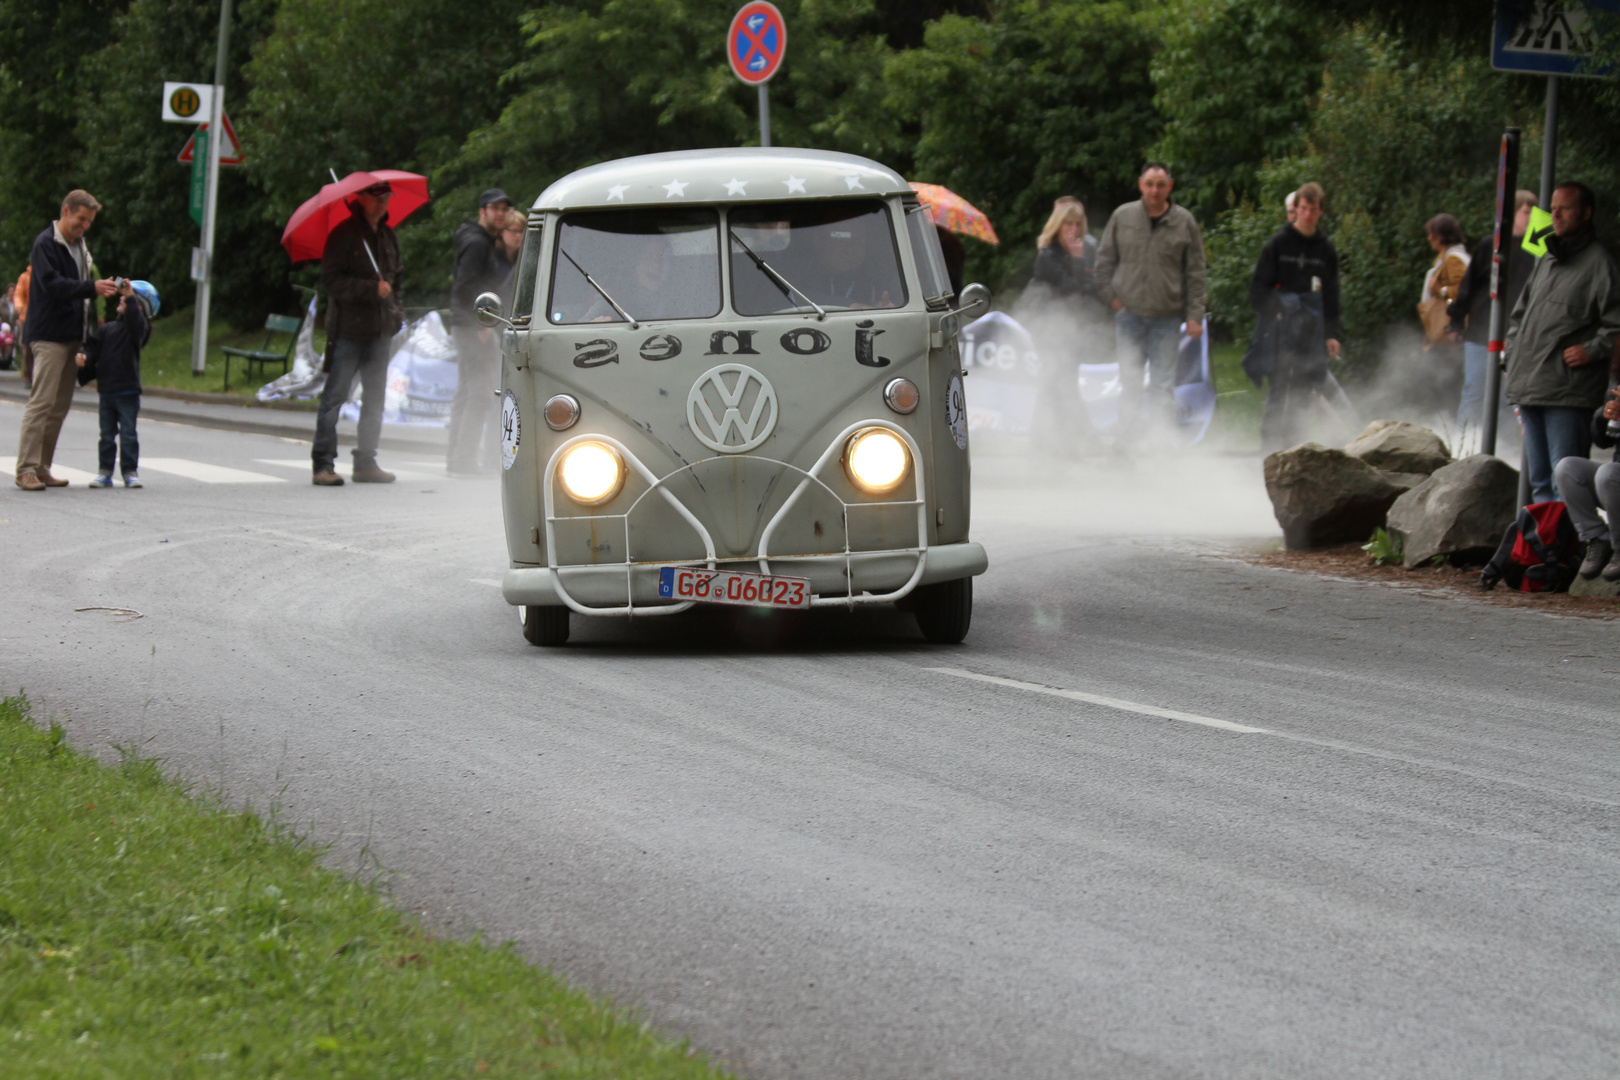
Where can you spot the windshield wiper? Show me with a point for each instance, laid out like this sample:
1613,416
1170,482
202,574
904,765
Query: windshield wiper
783,283
592,281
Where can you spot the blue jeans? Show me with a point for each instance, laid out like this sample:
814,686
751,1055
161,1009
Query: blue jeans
366,359
1151,342
1551,433
118,412
1471,409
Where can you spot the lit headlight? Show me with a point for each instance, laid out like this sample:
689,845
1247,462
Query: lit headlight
876,459
591,473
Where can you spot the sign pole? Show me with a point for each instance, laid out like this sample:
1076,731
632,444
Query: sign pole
755,46
1507,182
1549,146
205,263
764,114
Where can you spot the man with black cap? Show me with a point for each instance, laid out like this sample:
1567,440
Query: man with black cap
480,267
360,271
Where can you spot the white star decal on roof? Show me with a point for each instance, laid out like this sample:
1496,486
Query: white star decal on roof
794,185
617,192
853,183
735,187
676,187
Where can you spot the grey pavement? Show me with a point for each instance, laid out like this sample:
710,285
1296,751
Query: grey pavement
826,849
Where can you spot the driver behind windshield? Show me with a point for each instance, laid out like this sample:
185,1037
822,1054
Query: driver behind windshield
841,257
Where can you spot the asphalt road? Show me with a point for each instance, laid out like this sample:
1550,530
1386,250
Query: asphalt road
1164,814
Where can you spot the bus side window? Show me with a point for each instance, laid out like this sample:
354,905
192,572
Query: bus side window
527,269
930,259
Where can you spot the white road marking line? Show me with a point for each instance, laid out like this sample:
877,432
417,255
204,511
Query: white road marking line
205,473
8,466
343,469
485,581
1106,702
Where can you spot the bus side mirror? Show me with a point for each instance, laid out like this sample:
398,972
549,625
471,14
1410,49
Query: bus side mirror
973,298
487,309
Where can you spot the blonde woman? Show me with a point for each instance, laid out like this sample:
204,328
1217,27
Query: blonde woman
1067,319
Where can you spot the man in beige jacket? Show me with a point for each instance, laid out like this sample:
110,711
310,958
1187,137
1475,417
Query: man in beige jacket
1150,268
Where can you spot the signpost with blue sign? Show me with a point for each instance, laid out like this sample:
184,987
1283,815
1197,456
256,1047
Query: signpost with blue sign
755,45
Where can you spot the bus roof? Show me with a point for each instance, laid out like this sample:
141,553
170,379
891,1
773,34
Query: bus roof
735,174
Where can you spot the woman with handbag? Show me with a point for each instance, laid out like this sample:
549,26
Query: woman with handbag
1442,349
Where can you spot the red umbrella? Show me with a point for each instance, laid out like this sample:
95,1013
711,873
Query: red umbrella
307,230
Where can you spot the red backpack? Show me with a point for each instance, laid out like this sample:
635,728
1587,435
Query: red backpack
1540,552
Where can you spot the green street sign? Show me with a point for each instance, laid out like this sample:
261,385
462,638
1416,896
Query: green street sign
1541,227
199,176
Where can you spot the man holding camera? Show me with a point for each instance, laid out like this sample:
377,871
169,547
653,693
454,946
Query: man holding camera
59,320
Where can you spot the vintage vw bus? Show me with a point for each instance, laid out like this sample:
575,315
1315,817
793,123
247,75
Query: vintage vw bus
731,376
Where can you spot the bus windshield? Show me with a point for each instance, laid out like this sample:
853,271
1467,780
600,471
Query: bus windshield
646,265
840,256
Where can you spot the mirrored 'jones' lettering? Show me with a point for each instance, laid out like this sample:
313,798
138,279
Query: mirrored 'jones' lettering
800,341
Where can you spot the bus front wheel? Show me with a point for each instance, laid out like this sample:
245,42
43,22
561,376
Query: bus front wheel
944,610
545,625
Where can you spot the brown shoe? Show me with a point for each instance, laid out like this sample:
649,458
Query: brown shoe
29,482
48,480
327,478
370,474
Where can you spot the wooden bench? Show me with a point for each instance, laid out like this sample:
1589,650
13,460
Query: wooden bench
265,354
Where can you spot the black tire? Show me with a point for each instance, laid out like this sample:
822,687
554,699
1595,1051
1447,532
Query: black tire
944,611
545,625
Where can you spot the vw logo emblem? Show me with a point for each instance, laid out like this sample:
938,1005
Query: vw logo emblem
732,408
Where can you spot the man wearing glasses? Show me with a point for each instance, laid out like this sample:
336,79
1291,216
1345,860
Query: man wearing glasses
480,267
360,271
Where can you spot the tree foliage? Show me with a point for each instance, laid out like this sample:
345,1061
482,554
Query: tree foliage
1038,101
1234,80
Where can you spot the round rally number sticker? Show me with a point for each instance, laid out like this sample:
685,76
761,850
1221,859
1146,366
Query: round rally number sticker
956,411
511,429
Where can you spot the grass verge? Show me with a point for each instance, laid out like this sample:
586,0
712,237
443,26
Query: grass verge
166,360
146,932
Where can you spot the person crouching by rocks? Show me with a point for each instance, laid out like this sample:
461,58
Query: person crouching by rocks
112,357
1587,485
480,267
1295,293
1560,338
59,320
360,271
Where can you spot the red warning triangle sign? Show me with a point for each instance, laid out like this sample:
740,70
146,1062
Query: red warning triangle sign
228,155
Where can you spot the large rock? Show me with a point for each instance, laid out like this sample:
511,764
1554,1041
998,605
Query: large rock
1398,447
1464,506
1595,587
1323,496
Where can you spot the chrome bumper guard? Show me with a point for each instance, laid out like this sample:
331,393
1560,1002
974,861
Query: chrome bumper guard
521,588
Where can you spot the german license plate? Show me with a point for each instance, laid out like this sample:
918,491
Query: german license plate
729,587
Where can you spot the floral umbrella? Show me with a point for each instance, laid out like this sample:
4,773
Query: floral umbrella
307,229
950,211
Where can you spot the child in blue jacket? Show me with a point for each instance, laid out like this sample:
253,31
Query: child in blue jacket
112,357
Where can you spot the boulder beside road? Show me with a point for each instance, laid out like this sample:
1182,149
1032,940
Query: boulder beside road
1464,506
1324,496
1398,447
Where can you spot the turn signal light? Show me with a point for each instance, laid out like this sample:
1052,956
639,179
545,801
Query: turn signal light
876,460
902,395
562,412
591,473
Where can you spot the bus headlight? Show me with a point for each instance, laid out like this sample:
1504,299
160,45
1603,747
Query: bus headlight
591,473
877,460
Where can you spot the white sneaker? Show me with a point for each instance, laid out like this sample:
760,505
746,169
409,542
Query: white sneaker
102,481
132,480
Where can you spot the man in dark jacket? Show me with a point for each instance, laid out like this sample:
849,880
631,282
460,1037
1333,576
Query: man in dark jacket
60,292
1296,283
360,271
1560,339
1473,306
480,267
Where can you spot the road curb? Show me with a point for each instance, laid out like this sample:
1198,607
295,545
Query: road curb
222,412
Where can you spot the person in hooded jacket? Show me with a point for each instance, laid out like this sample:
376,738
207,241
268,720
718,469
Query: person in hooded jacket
1296,285
480,266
